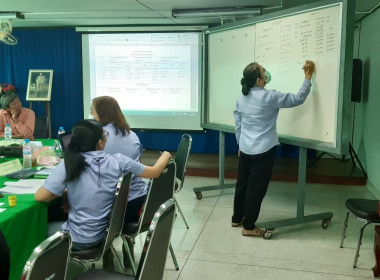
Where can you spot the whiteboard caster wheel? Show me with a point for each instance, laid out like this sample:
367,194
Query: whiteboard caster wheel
325,223
198,195
268,233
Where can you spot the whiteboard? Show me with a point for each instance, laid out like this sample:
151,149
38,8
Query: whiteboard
282,44
220,67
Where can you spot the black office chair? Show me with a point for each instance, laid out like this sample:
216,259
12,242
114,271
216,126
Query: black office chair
153,257
181,158
363,209
49,259
161,190
41,128
90,256
64,140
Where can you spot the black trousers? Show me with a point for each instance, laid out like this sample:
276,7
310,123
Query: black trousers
254,174
55,211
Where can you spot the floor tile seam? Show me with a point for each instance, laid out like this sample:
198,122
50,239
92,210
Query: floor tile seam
192,248
307,213
260,258
192,204
281,268
285,212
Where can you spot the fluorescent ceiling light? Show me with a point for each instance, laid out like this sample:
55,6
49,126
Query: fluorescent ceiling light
140,28
232,11
11,15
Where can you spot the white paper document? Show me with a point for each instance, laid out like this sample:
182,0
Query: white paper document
22,186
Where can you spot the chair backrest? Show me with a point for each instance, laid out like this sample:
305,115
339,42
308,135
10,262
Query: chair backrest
64,139
181,158
115,225
153,257
161,190
49,259
118,211
41,128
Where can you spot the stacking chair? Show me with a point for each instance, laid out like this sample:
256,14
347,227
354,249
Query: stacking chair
153,257
90,256
161,190
64,140
365,210
49,259
41,128
181,158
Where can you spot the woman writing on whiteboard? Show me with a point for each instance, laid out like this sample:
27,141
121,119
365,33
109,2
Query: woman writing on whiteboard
255,118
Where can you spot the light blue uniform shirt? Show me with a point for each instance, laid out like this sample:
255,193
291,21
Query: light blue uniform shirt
91,195
130,146
256,115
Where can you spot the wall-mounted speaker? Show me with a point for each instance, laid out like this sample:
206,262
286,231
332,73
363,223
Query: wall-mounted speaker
357,77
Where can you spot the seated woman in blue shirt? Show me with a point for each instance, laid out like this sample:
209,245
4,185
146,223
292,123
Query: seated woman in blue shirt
121,139
90,177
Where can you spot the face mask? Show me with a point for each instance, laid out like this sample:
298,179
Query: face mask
269,77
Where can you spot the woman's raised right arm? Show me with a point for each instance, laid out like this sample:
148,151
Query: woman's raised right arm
155,170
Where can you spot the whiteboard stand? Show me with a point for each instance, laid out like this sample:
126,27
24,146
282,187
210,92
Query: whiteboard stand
353,158
301,218
301,187
198,190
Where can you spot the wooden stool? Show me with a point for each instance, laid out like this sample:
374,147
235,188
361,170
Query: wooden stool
376,268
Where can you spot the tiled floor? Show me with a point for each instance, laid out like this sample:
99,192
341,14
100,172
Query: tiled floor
212,249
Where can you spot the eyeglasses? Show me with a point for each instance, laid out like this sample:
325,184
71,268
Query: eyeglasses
106,134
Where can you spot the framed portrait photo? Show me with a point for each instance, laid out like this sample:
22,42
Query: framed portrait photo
39,85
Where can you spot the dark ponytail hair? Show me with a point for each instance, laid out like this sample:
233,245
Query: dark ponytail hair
85,136
250,74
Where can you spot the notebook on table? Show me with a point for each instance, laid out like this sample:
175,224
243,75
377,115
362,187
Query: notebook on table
22,174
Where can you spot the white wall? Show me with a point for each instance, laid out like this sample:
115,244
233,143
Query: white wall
367,120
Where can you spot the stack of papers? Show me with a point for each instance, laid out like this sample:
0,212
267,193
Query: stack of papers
20,142
22,186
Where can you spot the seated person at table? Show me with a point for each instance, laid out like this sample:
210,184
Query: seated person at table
20,119
121,139
90,177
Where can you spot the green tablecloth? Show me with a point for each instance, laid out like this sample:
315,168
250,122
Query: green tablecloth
24,226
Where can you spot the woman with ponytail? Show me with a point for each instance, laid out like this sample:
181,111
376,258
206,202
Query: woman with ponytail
255,119
90,176
123,140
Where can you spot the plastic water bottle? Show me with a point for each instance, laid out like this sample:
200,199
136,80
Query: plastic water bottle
27,154
59,148
61,130
8,132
